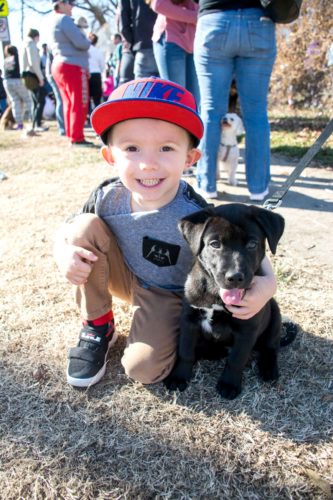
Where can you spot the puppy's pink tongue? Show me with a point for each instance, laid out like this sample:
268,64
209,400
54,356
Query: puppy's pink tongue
231,297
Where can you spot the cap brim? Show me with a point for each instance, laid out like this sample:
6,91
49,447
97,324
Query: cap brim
109,113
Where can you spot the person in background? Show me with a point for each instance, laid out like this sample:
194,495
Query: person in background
59,110
3,95
43,62
173,38
17,93
235,39
108,83
116,57
96,68
82,23
136,23
70,70
126,66
31,62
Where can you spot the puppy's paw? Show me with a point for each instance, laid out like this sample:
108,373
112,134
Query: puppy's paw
179,377
268,367
173,383
267,372
228,391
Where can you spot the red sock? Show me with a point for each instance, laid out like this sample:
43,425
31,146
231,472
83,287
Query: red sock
106,320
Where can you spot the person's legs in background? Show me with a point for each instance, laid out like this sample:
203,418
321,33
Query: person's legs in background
226,44
3,105
160,57
176,63
34,97
20,100
145,64
41,95
191,78
215,71
126,67
72,82
25,100
95,90
59,106
253,71
171,61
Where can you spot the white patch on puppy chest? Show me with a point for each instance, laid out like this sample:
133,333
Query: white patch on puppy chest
206,322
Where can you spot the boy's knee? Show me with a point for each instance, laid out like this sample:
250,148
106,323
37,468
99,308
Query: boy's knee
85,227
143,363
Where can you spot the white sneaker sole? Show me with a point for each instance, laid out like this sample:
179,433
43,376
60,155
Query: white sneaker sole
87,382
207,195
259,196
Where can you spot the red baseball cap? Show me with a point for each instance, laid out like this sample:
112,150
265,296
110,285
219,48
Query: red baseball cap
148,98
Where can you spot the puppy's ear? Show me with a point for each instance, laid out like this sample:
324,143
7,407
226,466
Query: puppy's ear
193,227
271,223
240,127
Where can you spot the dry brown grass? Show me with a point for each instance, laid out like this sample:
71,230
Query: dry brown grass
120,439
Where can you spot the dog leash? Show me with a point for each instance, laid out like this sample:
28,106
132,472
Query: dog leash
276,199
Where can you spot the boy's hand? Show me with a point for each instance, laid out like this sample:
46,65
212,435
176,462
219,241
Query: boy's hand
261,291
75,263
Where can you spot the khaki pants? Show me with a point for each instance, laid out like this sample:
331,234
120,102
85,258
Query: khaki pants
152,341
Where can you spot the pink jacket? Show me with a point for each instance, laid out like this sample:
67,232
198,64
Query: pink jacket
177,21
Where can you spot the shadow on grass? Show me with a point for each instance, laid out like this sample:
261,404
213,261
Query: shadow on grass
293,199
325,155
297,124
58,443
297,407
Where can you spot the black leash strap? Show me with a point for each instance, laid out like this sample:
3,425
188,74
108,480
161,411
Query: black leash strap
276,199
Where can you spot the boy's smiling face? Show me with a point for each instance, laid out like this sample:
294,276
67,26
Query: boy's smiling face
150,156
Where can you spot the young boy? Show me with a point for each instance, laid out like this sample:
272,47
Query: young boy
125,243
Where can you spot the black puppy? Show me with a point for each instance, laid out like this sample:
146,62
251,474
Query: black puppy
228,244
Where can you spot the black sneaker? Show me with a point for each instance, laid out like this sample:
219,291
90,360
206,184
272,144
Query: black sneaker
84,144
189,172
87,361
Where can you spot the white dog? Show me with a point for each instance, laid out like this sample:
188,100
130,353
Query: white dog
231,127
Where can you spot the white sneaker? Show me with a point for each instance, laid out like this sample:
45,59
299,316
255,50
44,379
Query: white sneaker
41,129
259,196
206,194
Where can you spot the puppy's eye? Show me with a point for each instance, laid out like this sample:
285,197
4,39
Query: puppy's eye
252,245
215,244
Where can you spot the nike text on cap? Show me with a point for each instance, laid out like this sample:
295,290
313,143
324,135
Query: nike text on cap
148,98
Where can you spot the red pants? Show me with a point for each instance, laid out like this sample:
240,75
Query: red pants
73,86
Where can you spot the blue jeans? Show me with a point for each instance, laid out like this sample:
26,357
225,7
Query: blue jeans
59,111
144,64
3,105
176,65
236,44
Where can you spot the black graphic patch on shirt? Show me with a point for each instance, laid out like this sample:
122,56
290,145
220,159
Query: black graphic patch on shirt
160,253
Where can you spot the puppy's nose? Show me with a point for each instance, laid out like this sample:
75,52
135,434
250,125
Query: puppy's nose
235,279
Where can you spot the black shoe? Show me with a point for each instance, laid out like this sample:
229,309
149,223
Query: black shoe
84,144
87,361
189,172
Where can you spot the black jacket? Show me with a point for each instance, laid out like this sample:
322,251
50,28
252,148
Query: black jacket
136,23
217,5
